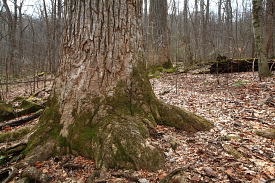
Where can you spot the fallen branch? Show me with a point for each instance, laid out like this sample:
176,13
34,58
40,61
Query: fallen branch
21,121
270,180
73,166
270,101
167,178
36,176
125,175
25,82
8,174
224,64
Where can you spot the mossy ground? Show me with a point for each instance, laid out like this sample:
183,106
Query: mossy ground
27,107
6,111
15,135
268,133
156,72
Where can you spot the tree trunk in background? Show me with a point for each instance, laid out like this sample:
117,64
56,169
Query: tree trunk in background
158,48
258,37
56,33
102,105
21,31
12,20
196,32
203,33
270,28
146,41
219,47
229,29
187,55
207,36
48,47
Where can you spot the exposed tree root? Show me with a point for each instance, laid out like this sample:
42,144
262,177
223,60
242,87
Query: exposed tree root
39,153
168,177
8,174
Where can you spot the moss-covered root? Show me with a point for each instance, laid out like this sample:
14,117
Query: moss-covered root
16,135
121,143
267,133
169,178
179,118
117,142
39,153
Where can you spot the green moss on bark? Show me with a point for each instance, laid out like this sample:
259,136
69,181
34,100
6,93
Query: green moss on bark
125,147
48,127
112,130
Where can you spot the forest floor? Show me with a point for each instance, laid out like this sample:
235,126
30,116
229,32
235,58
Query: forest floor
230,152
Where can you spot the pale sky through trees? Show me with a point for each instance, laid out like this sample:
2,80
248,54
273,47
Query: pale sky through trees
178,4
31,7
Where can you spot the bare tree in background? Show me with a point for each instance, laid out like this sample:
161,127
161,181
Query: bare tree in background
259,41
145,31
12,24
53,32
29,45
202,31
158,31
188,55
270,28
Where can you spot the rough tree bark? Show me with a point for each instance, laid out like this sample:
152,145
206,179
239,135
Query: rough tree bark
258,37
102,105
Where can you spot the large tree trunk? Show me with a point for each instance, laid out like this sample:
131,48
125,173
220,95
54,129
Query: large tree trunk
102,105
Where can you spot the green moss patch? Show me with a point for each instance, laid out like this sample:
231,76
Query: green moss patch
28,107
267,133
240,83
48,127
41,74
6,111
232,151
232,137
158,71
180,118
15,135
16,149
18,99
154,75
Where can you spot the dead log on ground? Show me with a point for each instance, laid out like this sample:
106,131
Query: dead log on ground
224,64
21,121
